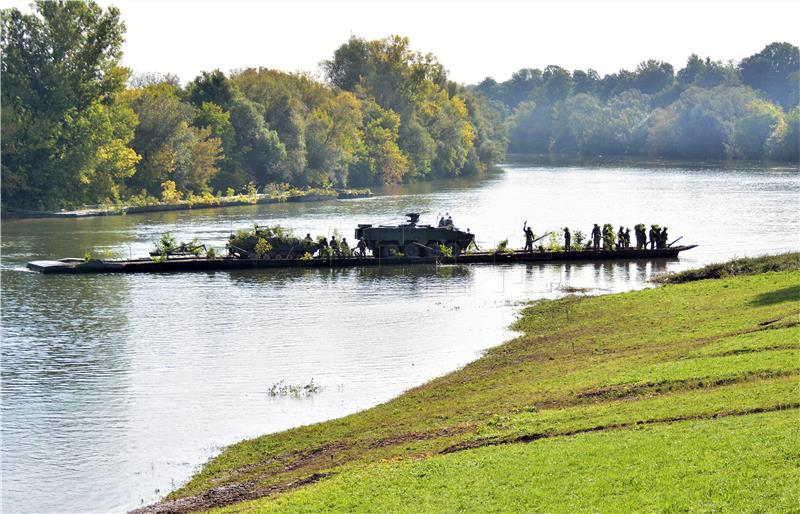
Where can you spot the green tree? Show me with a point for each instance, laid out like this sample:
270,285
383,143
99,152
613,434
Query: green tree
532,127
752,130
701,123
775,70
260,152
784,142
64,141
160,135
491,132
585,81
557,84
653,76
383,161
172,148
211,87
580,125
350,63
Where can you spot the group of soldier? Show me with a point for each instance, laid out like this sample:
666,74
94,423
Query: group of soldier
658,238
446,221
338,248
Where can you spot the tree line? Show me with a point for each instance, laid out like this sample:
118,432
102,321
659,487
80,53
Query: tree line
78,128
707,110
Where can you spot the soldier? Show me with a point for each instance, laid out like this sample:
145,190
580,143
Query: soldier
308,239
344,248
323,245
335,246
362,247
567,239
596,234
528,237
653,236
664,237
627,238
621,237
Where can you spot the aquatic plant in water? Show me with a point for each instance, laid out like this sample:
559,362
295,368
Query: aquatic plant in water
295,390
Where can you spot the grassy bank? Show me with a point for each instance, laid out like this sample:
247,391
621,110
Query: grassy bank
736,267
679,397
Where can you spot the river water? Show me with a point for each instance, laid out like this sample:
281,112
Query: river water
116,388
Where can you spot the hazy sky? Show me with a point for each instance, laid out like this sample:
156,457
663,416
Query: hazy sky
473,39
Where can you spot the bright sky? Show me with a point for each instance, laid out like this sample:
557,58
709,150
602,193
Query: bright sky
473,39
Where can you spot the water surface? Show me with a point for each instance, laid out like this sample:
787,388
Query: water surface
115,388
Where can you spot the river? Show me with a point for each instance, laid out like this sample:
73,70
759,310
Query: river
116,388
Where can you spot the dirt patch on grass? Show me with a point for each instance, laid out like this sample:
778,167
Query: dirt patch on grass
528,438
419,436
318,457
625,391
225,495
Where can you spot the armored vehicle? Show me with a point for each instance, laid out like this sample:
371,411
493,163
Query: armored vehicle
281,246
413,240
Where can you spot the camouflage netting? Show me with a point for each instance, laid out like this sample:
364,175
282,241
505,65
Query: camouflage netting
273,242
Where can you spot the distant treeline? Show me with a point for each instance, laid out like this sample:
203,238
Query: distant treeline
707,110
77,128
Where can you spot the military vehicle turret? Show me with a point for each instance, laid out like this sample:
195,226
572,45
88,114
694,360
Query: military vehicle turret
413,240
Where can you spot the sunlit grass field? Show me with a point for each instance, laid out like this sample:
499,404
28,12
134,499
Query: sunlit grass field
682,397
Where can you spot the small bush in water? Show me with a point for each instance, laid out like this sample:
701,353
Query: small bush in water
297,390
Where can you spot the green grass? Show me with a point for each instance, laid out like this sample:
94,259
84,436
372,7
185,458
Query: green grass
626,365
741,464
773,394
752,342
738,267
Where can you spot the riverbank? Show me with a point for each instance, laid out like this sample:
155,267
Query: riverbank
625,401
202,202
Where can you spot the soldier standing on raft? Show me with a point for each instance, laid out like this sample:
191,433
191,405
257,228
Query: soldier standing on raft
528,237
627,238
323,244
335,246
621,237
596,237
567,239
344,248
653,236
308,239
663,238
361,247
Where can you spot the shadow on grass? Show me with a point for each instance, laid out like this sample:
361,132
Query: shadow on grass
787,294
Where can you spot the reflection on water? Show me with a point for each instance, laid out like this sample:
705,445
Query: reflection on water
115,388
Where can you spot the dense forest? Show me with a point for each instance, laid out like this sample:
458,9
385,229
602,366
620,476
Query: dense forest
707,110
78,128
